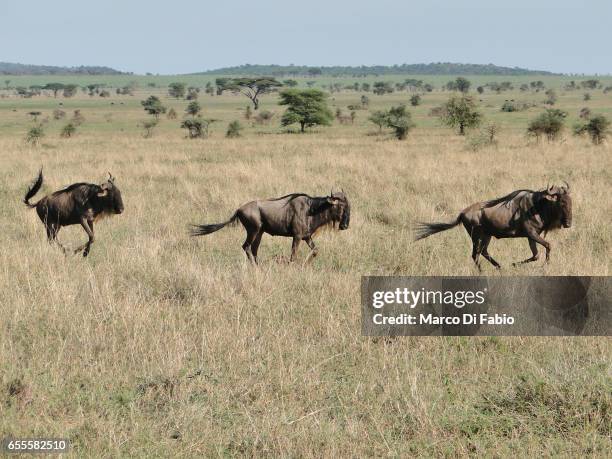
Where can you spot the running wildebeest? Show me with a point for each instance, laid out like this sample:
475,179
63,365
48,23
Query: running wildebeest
522,213
296,215
81,203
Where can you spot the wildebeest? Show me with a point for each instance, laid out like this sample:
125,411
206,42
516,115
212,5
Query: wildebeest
81,203
296,215
522,213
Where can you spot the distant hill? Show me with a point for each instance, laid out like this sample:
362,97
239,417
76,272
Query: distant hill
8,68
439,68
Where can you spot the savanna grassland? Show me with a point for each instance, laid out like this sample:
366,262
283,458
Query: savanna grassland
158,344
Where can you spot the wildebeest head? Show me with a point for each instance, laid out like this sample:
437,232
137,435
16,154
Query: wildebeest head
340,209
561,199
111,196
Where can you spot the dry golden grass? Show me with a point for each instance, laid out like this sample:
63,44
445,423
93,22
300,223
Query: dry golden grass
158,344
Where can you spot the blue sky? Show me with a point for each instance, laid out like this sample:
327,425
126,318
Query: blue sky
169,37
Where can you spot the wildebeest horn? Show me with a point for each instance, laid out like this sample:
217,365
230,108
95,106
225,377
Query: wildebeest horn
567,187
110,177
550,188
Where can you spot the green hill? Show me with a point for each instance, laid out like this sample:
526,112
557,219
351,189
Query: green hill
9,68
439,68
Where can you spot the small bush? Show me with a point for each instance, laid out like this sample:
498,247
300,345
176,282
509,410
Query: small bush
585,113
171,115
197,128
68,131
78,118
58,114
549,124
486,137
415,100
586,97
264,117
509,107
597,128
35,135
233,129
149,126
248,113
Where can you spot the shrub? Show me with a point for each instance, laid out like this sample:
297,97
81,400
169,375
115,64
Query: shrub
68,131
248,112
365,101
400,121
149,126
171,114
597,127
264,117
197,128
586,97
233,129
549,124
58,114
78,118
551,97
379,118
415,100
34,135
104,93
486,137
585,113
509,107
193,108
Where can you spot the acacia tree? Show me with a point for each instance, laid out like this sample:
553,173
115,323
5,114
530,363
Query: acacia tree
55,87
153,106
177,90
308,107
253,87
460,112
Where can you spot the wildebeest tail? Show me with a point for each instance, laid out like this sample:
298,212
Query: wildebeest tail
423,230
33,189
203,230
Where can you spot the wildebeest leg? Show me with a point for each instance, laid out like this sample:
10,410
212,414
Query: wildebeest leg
476,250
88,227
255,245
533,236
250,239
534,250
313,250
485,251
294,247
52,230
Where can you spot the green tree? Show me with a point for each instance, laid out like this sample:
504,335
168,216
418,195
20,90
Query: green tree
290,83
153,106
7,83
308,107
415,100
382,87
400,120
379,118
55,87
460,112
550,123
193,108
253,87
462,85
177,90
222,84
598,127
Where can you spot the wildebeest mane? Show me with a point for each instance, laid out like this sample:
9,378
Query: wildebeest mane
504,199
318,205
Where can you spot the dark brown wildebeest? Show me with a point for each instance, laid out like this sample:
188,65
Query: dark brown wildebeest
522,213
296,215
81,203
